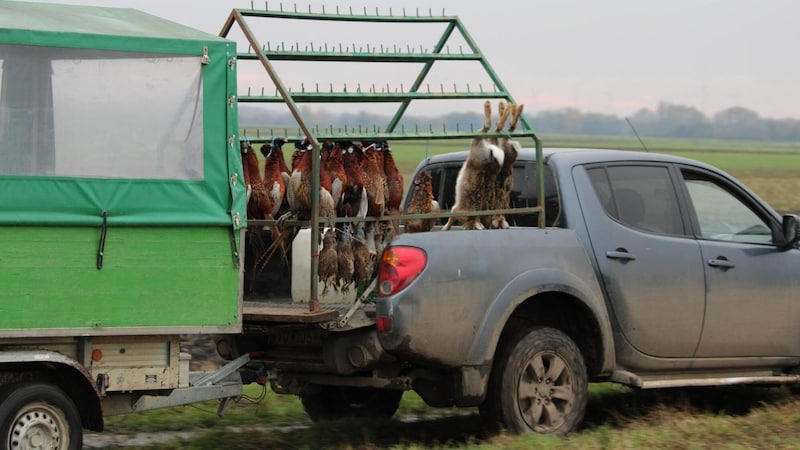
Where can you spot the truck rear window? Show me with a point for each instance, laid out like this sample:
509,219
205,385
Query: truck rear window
524,193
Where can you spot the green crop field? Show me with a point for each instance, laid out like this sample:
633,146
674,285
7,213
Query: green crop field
724,154
770,169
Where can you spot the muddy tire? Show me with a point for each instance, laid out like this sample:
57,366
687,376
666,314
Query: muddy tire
333,402
38,415
538,384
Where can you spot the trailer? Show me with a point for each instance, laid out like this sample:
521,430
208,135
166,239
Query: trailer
123,209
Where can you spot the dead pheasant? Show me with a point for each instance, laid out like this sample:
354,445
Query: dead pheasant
298,191
328,261
363,258
422,202
394,183
346,265
333,165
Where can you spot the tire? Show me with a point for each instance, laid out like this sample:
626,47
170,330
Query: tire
539,384
38,415
333,402
490,410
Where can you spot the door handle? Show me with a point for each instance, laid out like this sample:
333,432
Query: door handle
621,254
721,261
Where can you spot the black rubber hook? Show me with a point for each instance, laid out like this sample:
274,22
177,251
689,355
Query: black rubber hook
102,246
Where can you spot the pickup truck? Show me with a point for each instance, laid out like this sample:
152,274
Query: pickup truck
652,271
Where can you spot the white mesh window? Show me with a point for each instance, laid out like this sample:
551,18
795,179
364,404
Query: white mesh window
92,113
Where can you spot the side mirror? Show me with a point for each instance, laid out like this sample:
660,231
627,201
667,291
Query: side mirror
791,230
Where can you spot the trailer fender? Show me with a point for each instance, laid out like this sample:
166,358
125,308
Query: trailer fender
55,368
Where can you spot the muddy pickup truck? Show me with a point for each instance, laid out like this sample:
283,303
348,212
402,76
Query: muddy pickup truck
652,271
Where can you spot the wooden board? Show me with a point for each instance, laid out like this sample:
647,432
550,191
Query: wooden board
287,314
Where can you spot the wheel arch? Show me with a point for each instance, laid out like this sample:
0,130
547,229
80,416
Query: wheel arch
558,299
567,313
58,370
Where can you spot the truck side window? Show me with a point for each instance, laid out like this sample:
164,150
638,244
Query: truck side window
721,215
642,197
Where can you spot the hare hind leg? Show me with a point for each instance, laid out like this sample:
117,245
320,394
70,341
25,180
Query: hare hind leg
487,116
504,111
515,115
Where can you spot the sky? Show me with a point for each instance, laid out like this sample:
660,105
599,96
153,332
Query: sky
613,57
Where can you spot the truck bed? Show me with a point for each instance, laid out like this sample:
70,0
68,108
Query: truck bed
274,311
258,311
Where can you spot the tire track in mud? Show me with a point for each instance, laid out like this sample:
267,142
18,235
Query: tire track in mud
93,440
107,439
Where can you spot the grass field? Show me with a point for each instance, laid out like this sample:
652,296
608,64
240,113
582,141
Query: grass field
617,418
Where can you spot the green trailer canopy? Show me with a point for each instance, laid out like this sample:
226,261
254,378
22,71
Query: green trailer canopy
117,111
120,174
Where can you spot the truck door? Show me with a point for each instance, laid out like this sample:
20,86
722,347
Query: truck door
753,296
651,267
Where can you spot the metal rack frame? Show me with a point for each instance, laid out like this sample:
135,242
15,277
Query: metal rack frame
404,97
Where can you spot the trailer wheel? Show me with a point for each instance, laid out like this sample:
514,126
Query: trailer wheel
332,402
539,384
38,416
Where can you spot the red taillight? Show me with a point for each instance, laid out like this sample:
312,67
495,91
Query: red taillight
399,267
384,324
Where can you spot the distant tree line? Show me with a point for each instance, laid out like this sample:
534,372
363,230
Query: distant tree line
667,120
670,120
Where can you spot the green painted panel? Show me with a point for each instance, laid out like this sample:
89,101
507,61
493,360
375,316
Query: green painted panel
151,277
